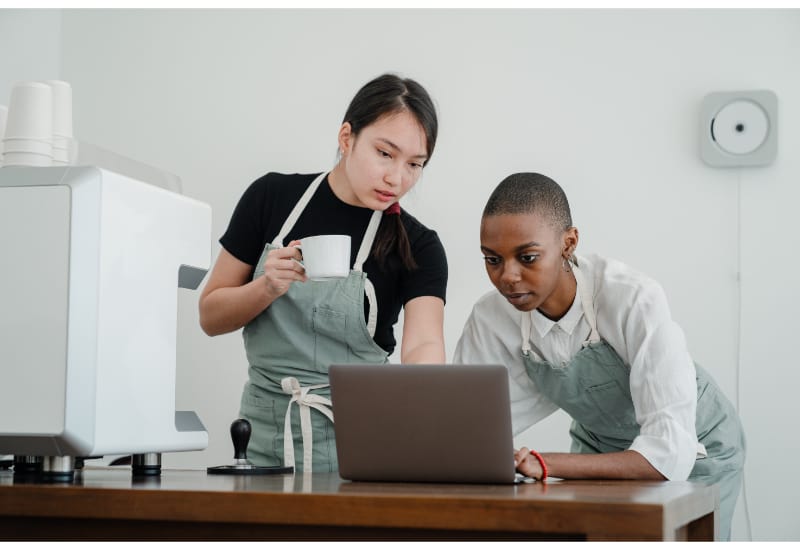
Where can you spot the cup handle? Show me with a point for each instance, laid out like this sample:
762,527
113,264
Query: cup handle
298,262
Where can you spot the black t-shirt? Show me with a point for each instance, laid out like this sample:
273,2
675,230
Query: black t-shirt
266,204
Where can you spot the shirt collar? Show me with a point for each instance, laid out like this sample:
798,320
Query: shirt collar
567,323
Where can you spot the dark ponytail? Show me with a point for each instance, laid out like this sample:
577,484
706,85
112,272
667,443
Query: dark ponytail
386,95
391,236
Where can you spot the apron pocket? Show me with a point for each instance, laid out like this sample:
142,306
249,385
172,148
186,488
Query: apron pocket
265,446
613,404
330,338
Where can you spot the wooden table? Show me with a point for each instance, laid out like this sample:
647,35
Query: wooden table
106,504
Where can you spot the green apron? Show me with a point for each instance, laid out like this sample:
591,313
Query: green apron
594,389
290,346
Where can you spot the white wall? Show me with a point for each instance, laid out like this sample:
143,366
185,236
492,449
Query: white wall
605,102
30,47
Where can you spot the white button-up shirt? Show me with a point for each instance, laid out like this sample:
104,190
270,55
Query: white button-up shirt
634,319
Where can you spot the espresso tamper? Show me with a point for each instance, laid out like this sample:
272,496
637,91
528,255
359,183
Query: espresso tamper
240,434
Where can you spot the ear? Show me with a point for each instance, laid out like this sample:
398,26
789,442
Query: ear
570,242
346,138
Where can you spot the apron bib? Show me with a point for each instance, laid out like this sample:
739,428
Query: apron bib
594,389
290,346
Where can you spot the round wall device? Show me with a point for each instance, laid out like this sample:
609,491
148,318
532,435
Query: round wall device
739,128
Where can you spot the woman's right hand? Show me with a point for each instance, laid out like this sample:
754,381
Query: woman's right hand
232,298
527,464
282,267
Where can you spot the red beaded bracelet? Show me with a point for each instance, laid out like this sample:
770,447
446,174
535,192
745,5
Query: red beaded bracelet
542,464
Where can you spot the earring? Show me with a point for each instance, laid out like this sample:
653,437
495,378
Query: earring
567,268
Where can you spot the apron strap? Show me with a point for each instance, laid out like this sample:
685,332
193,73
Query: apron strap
297,210
361,257
369,238
525,326
587,301
372,301
305,401
525,332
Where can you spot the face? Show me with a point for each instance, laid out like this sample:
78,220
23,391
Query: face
524,257
382,163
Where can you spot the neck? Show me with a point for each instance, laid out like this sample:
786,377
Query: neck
559,302
340,185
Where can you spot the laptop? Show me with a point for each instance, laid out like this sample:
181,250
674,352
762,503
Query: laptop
423,423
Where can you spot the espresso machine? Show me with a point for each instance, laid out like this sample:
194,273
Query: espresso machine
91,263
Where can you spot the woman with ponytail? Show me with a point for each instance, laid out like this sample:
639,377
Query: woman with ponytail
294,329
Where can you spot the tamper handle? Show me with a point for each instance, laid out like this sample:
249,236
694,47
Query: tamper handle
240,434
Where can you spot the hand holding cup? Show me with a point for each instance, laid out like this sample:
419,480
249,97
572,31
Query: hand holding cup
282,267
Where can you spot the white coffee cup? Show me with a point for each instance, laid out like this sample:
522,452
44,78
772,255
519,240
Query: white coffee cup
62,121
62,108
326,257
30,112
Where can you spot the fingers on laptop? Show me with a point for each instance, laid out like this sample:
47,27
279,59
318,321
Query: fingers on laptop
527,464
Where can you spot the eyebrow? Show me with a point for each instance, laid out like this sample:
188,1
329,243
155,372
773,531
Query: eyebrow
532,244
396,148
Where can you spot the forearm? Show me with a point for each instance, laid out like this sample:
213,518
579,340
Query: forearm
227,309
423,332
620,465
431,352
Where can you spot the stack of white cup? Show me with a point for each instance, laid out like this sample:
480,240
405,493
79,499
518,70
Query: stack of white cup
62,121
28,140
39,124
